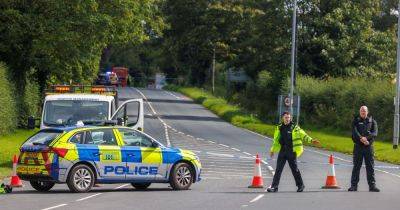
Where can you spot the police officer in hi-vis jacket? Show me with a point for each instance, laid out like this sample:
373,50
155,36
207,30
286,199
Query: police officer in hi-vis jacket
288,141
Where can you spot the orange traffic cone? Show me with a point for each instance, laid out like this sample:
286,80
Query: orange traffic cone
257,178
331,178
15,181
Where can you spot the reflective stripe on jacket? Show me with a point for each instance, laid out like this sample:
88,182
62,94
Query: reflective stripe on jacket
298,136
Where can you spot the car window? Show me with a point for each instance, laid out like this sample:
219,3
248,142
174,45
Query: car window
77,138
129,113
43,137
135,138
101,137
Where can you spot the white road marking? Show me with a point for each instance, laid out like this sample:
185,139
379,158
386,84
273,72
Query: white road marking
53,207
211,142
220,154
158,117
122,186
257,198
177,97
223,145
256,133
246,153
91,196
195,151
238,150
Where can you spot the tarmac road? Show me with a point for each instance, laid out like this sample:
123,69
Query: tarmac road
227,154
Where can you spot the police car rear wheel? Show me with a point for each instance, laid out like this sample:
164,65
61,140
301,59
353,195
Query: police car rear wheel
141,186
81,179
182,176
42,186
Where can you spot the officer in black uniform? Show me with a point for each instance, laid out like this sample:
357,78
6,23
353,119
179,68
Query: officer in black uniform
364,131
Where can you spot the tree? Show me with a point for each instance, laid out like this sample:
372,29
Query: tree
338,38
63,40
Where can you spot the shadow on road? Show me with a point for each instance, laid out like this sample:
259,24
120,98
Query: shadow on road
66,191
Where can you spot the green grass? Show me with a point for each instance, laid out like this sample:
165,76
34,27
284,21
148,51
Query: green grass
330,140
10,144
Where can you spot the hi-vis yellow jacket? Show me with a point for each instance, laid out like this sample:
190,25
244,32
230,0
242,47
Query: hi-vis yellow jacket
298,136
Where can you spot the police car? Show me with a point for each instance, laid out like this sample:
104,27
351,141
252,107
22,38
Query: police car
83,156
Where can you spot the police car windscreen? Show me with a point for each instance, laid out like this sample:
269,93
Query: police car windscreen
69,112
44,137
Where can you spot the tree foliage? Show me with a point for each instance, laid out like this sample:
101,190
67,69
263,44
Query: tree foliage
64,40
335,38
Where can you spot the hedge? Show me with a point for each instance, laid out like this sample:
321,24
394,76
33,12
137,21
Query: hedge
8,112
333,103
16,104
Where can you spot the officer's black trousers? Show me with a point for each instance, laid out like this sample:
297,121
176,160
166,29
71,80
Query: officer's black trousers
360,153
290,157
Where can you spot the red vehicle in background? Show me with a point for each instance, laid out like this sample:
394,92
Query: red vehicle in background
122,74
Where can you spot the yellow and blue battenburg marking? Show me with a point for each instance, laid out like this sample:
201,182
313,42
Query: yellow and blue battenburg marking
110,162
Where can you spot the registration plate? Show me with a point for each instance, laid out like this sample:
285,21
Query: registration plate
29,169
32,155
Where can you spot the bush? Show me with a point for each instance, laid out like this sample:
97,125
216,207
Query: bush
7,103
333,103
30,102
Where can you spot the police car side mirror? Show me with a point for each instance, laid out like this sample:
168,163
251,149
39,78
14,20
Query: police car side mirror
120,121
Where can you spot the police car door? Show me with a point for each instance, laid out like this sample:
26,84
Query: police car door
105,152
130,113
142,155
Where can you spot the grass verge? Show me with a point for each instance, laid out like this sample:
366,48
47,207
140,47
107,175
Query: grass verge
10,144
332,141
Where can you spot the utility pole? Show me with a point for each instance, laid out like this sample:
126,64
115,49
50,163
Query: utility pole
213,71
293,58
397,99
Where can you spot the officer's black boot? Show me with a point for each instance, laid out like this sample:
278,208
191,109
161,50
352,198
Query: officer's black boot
272,189
353,188
300,188
373,188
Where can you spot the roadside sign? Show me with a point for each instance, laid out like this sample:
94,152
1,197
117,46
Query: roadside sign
284,103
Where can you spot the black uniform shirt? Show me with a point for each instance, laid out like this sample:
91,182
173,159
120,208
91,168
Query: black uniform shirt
364,127
286,137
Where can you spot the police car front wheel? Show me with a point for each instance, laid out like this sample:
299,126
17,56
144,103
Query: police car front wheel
81,179
42,186
182,176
